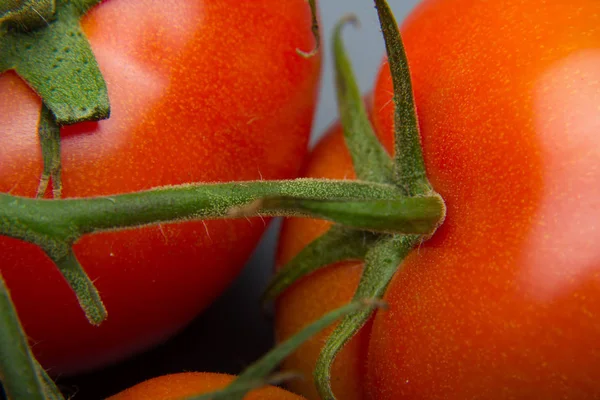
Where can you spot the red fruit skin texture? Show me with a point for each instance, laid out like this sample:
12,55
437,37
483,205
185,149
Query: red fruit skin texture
201,91
504,301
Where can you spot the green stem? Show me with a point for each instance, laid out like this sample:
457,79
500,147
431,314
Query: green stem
19,371
51,391
337,244
55,225
381,264
409,166
48,222
82,285
49,134
419,215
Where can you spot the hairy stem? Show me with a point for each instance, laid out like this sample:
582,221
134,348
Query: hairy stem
51,223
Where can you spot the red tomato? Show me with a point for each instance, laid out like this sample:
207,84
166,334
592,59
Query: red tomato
200,91
183,385
504,301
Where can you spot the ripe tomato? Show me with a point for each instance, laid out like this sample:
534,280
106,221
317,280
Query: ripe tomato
504,300
182,385
200,91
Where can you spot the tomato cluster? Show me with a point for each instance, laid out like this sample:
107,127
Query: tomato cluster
503,301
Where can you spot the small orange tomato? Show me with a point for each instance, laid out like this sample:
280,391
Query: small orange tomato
182,385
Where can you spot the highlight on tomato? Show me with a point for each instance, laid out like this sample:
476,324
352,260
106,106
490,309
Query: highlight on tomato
503,301
200,91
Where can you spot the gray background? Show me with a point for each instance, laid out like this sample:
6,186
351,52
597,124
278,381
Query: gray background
234,331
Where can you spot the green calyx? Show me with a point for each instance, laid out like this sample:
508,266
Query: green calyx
26,15
382,251
54,57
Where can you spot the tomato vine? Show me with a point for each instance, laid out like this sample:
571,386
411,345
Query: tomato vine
393,201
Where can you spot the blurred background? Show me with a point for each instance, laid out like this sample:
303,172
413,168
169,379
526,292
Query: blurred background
234,331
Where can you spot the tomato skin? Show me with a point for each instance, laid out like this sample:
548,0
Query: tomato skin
182,385
201,91
504,300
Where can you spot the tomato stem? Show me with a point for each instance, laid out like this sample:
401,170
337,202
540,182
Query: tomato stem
55,225
49,134
370,206
382,261
80,282
337,244
407,173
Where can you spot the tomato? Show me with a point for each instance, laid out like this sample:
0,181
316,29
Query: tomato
504,300
182,385
201,91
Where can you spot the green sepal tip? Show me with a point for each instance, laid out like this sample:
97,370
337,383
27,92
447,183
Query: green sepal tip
409,166
370,160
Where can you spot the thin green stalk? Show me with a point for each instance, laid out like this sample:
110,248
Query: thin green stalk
49,134
381,264
337,244
19,371
55,225
254,376
87,294
49,223
51,391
